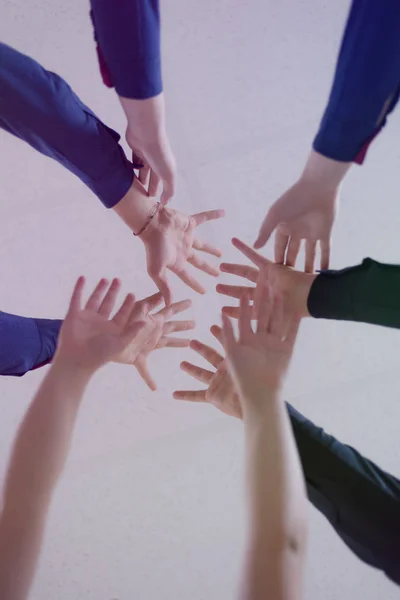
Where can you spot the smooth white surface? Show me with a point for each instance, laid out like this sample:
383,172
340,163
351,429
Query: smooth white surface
151,503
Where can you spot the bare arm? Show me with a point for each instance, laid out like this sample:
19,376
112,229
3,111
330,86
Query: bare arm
278,505
37,460
258,361
88,340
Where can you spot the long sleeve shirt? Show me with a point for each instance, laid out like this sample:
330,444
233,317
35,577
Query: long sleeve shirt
127,33
365,88
25,343
366,84
369,292
41,109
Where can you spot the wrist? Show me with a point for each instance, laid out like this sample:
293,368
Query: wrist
324,172
136,207
146,118
257,401
69,369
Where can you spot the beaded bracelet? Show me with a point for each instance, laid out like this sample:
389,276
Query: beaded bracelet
153,213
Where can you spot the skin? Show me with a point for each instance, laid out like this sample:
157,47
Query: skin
246,384
294,286
170,240
89,339
306,213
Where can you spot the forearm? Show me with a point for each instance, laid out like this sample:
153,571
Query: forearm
135,207
41,109
26,343
368,293
128,38
275,480
278,505
366,82
323,172
44,437
37,460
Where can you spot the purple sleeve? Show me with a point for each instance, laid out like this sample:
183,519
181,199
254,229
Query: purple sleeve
26,343
41,109
127,33
366,84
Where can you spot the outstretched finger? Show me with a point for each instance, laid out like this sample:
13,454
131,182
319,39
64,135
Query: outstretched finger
281,244
121,317
325,247
231,311
217,333
175,326
95,299
203,265
162,284
234,311
109,299
190,281
169,341
143,371
266,230
310,256
177,307
292,251
76,297
251,254
250,273
198,373
191,396
208,248
235,291
228,335
208,353
208,215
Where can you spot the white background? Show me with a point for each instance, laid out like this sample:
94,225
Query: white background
151,502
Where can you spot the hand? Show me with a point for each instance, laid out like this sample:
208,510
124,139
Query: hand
307,212
258,361
151,152
293,286
89,338
170,243
221,390
304,212
159,336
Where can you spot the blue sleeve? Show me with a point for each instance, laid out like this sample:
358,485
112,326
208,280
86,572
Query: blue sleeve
128,37
25,343
41,109
367,80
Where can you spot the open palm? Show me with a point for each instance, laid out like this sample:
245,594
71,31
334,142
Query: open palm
158,335
220,389
170,242
258,360
89,337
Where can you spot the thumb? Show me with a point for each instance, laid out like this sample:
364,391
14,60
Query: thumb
270,223
161,282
